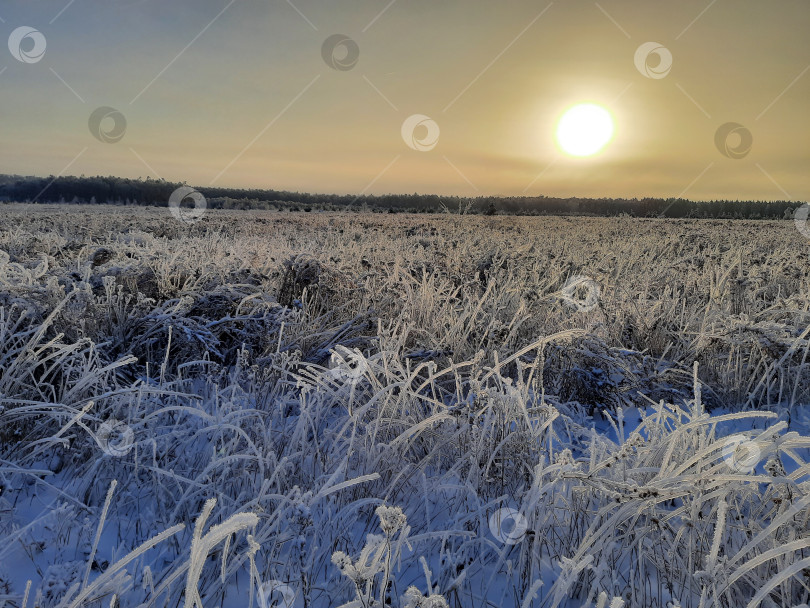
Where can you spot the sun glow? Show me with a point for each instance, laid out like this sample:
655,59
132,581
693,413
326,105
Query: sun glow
584,129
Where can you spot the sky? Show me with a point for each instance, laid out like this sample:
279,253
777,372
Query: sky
457,97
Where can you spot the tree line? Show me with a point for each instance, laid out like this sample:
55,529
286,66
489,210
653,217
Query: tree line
151,192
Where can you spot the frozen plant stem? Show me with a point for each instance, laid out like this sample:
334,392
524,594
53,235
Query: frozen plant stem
103,517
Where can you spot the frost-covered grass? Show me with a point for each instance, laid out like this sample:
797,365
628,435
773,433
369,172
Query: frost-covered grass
321,410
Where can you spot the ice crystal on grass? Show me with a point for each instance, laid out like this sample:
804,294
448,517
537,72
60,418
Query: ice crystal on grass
392,519
414,598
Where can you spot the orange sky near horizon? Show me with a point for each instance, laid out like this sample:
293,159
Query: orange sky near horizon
249,93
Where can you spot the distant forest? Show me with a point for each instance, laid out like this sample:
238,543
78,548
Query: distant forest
123,191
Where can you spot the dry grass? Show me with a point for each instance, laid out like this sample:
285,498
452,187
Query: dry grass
309,368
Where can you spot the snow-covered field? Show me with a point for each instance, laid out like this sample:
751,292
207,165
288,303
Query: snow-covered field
278,409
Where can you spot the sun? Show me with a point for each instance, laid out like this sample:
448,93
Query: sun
584,129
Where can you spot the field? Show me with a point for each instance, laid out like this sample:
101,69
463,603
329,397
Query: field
343,409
